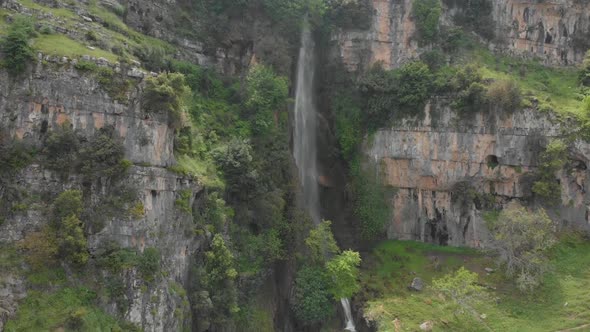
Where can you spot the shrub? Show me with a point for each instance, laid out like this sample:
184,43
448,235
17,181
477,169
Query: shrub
311,302
149,264
14,156
183,202
166,93
236,161
15,45
426,14
321,243
585,70
552,160
505,94
102,156
343,271
41,248
522,239
405,90
267,93
66,204
61,149
463,288
370,200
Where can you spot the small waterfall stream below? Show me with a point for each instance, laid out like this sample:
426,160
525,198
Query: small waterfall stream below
304,140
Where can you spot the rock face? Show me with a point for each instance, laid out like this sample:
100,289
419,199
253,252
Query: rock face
558,32
427,160
60,95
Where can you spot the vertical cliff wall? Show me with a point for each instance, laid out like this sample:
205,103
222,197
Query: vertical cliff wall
429,162
54,95
557,32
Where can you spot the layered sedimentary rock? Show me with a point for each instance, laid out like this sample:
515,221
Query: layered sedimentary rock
557,32
57,95
495,153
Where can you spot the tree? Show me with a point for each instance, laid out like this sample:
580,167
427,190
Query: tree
68,229
215,298
167,93
552,160
236,161
267,94
522,239
343,271
321,243
461,286
312,302
426,14
15,45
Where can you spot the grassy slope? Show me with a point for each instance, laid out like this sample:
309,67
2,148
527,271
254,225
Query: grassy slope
555,88
389,269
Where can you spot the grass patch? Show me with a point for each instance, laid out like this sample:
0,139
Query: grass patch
61,45
59,12
202,169
560,303
555,88
68,308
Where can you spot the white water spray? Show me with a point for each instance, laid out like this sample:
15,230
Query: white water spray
348,315
304,145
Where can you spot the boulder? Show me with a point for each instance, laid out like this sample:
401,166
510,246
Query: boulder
417,284
426,326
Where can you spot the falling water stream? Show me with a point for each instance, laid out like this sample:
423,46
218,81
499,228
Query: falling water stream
304,145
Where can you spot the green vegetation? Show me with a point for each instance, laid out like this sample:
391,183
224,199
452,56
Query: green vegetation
321,243
15,45
522,239
426,13
343,271
67,228
214,298
166,93
184,200
266,94
547,187
61,45
393,265
370,200
312,302
463,288
71,308
149,264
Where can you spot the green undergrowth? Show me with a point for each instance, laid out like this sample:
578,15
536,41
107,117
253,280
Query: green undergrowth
62,45
68,309
555,88
560,303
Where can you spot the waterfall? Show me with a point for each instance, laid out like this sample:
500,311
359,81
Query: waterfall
304,145
348,315
304,140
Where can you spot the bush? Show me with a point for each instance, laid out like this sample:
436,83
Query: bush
370,201
69,229
401,92
41,249
463,288
505,94
102,156
14,156
149,264
15,46
547,187
61,149
166,93
426,13
522,239
311,301
343,271
321,243
585,70
267,94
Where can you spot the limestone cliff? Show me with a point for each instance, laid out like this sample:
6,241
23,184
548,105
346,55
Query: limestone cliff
557,32
495,153
52,95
